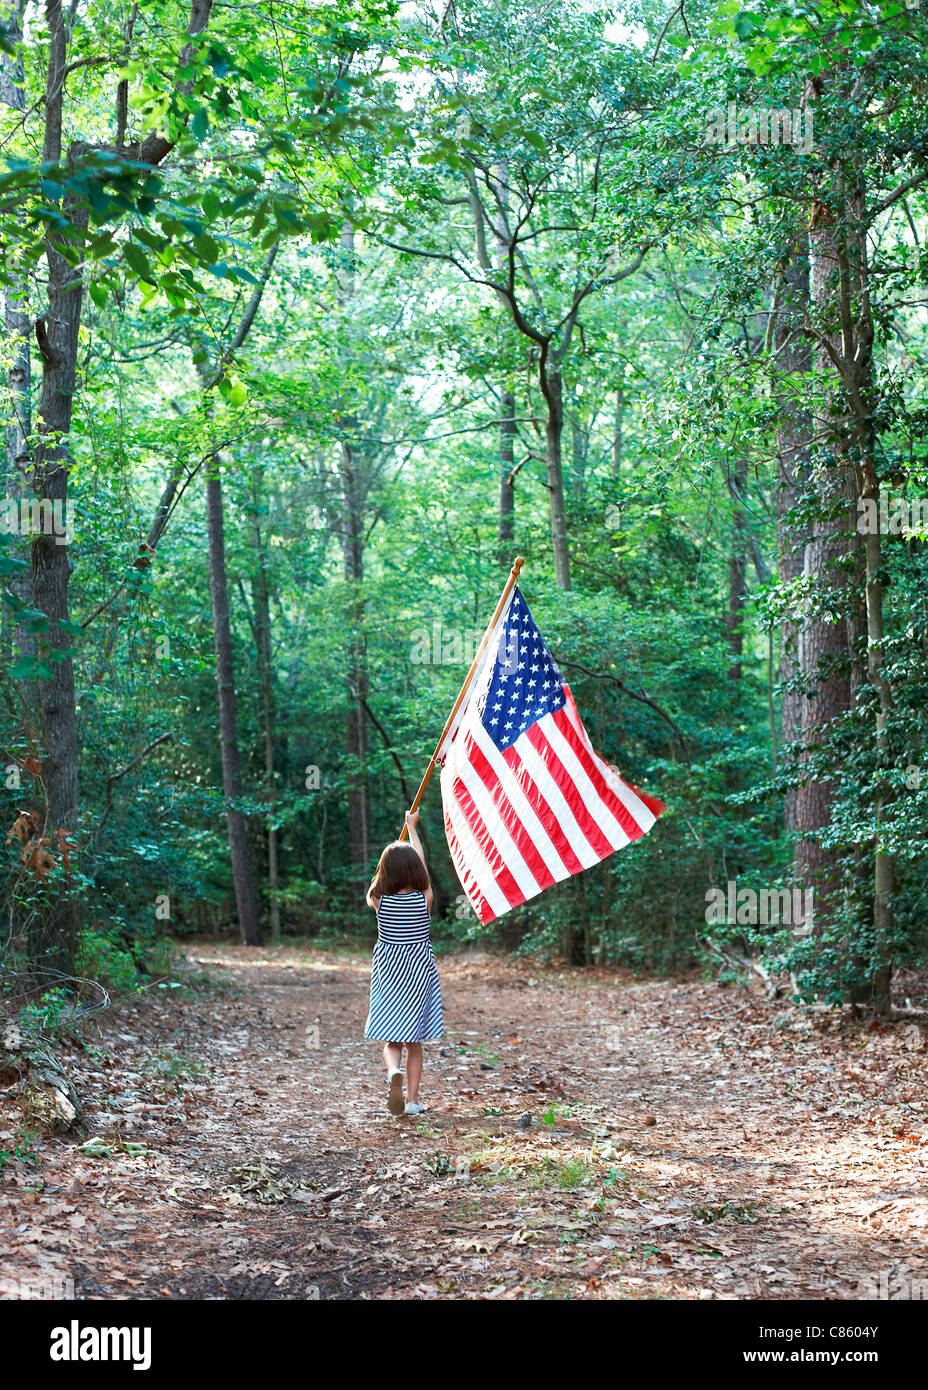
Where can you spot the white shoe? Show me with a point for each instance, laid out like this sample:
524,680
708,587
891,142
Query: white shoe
395,1096
414,1107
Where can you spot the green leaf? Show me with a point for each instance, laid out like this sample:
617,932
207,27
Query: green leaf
745,24
207,248
138,262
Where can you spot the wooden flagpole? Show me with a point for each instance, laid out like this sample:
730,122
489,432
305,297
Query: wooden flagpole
510,585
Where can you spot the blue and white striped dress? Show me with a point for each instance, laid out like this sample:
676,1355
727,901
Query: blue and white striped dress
405,993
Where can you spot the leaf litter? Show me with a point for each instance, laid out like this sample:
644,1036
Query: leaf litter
586,1135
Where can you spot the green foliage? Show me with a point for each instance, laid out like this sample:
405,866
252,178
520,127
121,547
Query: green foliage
101,955
23,1151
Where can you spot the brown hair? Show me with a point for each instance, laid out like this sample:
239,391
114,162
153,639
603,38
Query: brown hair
400,870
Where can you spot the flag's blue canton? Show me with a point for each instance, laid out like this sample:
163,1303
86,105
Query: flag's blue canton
525,684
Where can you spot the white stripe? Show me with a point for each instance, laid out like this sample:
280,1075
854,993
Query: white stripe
503,842
472,855
552,794
641,814
590,797
511,785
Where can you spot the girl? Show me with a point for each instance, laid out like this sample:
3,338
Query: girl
405,993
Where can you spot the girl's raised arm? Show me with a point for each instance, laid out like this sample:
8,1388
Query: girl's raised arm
412,820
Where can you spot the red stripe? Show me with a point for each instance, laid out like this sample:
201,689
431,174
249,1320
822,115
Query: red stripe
510,816
653,803
534,797
476,899
571,793
582,753
500,874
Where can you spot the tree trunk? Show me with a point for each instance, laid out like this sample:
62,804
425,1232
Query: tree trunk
550,379
507,434
841,291
356,718
19,380
578,453
261,595
737,573
242,878
794,431
883,869
352,497
617,430
823,646
507,405
56,333
57,336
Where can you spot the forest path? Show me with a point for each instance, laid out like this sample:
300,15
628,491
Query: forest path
586,1136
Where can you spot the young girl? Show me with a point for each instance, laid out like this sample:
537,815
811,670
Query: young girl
405,993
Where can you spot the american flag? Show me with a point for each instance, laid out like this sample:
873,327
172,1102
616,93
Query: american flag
527,802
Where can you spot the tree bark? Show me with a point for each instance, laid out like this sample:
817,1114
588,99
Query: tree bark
19,380
840,286
261,595
617,430
824,645
578,443
352,487
242,878
357,676
550,381
737,572
246,901
794,432
854,366
57,335
507,434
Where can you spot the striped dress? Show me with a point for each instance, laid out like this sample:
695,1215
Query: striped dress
405,993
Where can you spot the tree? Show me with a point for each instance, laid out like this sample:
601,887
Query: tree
545,186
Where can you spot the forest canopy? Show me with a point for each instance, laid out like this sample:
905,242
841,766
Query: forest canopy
317,315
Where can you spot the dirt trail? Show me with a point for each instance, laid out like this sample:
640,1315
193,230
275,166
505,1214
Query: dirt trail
587,1136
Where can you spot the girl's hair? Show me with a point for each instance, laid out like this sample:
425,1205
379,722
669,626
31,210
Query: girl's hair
399,870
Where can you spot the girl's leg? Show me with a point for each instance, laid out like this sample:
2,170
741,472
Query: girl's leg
393,1055
413,1069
